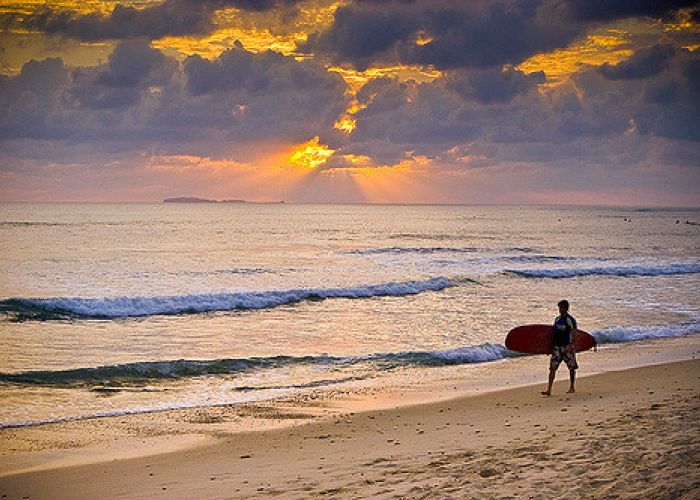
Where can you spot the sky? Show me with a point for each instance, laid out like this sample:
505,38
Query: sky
580,102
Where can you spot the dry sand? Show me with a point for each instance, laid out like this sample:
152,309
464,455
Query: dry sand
626,433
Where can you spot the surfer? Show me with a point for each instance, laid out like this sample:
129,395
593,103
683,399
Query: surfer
564,326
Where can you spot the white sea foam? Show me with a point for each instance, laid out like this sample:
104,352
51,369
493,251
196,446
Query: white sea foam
633,333
473,354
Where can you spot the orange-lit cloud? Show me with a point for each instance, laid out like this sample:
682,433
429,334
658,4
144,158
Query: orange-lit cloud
355,79
611,46
256,31
27,7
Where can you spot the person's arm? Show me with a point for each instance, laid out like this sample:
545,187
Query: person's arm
573,325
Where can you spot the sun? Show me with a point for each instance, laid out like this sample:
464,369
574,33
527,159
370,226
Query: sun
311,154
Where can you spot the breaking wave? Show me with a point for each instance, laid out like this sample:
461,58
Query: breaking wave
122,307
633,333
573,272
142,372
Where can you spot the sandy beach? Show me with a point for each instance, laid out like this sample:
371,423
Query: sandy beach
626,432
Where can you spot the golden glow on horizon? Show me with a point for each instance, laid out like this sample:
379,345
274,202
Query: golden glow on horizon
183,164
219,178
311,154
408,181
611,47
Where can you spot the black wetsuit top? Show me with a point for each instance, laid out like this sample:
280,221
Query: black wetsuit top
563,326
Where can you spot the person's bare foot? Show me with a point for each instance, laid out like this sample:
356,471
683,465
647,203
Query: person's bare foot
545,393
570,391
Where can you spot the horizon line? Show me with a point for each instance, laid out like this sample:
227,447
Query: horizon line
349,203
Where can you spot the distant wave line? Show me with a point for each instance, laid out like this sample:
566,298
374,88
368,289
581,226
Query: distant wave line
398,250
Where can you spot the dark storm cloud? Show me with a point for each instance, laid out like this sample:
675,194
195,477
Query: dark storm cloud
27,100
133,66
644,62
665,104
481,112
171,18
265,94
234,69
493,85
476,34
607,10
502,117
140,97
465,34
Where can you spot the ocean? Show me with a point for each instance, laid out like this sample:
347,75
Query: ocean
111,309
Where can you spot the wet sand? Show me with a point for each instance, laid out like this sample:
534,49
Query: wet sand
630,432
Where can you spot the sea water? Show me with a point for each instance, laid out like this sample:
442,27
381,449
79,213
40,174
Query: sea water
115,309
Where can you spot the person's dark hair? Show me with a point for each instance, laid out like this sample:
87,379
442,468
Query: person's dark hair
564,304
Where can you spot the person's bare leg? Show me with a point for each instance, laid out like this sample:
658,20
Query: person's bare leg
572,377
552,374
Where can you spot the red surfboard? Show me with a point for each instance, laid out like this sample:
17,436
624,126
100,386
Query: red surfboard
539,339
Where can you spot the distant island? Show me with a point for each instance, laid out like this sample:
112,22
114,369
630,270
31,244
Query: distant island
195,199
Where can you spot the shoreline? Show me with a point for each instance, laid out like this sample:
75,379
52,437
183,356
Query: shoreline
497,374
332,440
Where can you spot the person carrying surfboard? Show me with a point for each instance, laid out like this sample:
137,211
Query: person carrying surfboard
564,350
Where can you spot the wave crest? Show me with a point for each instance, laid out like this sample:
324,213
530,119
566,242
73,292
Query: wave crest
621,271
619,334
122,307
142,372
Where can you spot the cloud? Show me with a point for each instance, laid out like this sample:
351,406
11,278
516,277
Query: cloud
136,64
28,100
481,120
500,116
142,97
170,18
493,85
608,10
663,104
475,34
440,33
645,62
132,68
267,95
